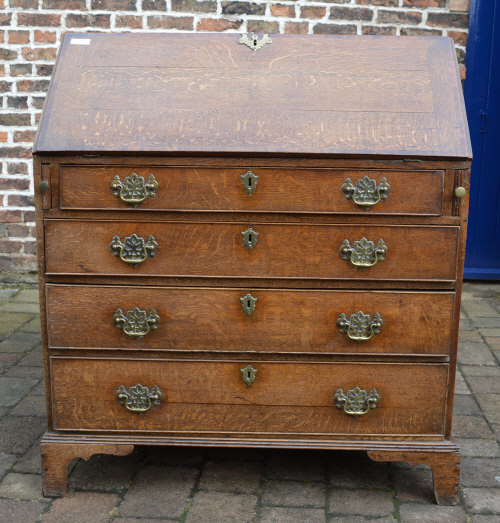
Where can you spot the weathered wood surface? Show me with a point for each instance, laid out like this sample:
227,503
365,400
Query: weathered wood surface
212,319
287,398
303,94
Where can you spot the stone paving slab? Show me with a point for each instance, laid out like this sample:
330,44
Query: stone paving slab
201,485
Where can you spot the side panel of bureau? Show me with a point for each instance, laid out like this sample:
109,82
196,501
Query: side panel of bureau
213,319
204,396
281,251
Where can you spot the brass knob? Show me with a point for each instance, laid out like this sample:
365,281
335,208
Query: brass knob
460,192
134,189
134,249
360,326
364,253
136,323
366,193
356,402
43,186
139,398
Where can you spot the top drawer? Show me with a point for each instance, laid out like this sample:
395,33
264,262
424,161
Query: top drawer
252,189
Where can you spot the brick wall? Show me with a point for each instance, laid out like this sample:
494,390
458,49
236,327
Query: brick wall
31,30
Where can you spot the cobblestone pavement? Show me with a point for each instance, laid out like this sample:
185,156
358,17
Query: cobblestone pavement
238,485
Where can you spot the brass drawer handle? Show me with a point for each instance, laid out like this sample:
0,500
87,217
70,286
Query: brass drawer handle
249,181
363,253
134,249
136,323
359,326
356,402
248,374
248,303
366,193
250,238
134,189
139,398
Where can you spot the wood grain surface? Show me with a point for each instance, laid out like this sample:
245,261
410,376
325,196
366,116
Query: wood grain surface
213,319
287,398
277,190
282,251
303,94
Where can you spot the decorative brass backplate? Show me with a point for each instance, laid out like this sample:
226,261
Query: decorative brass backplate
139,398
363,253
136,323
253,41
134,189
248,303
249,181
357,401
134,249
359,326
250,238
248,374
366,193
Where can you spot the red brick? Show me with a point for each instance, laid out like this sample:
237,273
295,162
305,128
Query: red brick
134,22
18,184
28,216
286,11
19,37
65,4
5,19
30,248
460,5
24,136
424,3
17,102
87,20
312,12
217,24
243,8
7,54
114,5
37,19
31,86
258,26
17,168
5,87
375,30
45,37
19,200
3,137
402,17
463,71
386,3
459,37
39,53
10,216
15,152
37,118
20,69
184,23
349,13
10,246
18,230
24,4
15,119
448,20
2,36
297,27
335,29
420,31
154,5
195,6
44,69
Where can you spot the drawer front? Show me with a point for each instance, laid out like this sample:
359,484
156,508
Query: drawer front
260,320
272,251
264,190
211,397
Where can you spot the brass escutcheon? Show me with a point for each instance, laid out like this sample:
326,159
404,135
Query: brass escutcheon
366,193
248,374
253,41
134,189
136,323
356,402
248,303
363,253
139,398
250,238
359,326
249,181
134,249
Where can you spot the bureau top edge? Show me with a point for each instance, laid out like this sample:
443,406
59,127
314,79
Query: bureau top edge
207,94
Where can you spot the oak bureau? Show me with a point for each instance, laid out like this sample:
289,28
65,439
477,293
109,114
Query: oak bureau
252,241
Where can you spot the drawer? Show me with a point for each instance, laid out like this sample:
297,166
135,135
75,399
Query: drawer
280,251
264,190
214,319
211,397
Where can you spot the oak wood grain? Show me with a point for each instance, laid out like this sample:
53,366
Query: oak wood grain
205,396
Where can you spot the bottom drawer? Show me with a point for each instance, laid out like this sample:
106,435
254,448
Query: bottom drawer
211,397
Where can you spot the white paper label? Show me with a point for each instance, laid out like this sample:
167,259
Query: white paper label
80,41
